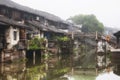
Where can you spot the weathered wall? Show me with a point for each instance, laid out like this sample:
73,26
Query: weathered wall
10,36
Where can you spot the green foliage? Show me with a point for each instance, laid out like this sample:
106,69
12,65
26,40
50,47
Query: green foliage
64,38
57,72
36,72
62,41
36,43
89,23
85,77
61,71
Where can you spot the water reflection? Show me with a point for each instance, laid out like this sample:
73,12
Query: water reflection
12,71
56,67
49,69
19,71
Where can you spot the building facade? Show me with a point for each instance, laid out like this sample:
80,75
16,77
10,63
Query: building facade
18,24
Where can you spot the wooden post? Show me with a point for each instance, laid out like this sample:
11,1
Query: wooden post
72,35
96,60
24,54
46,65
96,38
96,35
71,52
2,56
105,54
33,57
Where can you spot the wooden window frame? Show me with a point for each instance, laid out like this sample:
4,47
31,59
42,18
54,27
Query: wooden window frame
15,35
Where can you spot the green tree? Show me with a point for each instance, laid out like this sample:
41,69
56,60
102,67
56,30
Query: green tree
89,23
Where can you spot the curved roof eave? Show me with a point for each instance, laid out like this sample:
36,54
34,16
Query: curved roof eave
11,4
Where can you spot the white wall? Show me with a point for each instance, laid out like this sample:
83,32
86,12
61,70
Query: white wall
42,34
10,37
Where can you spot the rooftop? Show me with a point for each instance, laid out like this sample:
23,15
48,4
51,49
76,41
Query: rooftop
11,4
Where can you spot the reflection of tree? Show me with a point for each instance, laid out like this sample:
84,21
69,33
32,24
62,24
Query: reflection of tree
36,73
17,71
60,66
82,49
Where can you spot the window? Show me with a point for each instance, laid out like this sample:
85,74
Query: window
16,15
5,12
15,35
37,18
2,11
27,16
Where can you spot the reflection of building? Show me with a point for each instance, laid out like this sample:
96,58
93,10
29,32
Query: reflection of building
100,55
12,71
117,35
103,55
116,53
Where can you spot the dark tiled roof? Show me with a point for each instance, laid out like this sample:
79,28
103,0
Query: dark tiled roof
117,34
12,22
37,24
14,5
43,27
54,29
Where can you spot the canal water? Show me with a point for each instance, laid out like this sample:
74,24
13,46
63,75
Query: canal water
53,68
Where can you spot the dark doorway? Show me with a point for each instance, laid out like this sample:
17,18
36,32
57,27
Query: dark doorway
2,36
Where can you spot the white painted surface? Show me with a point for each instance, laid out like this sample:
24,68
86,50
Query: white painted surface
115,50
108,76
10,37
42,35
